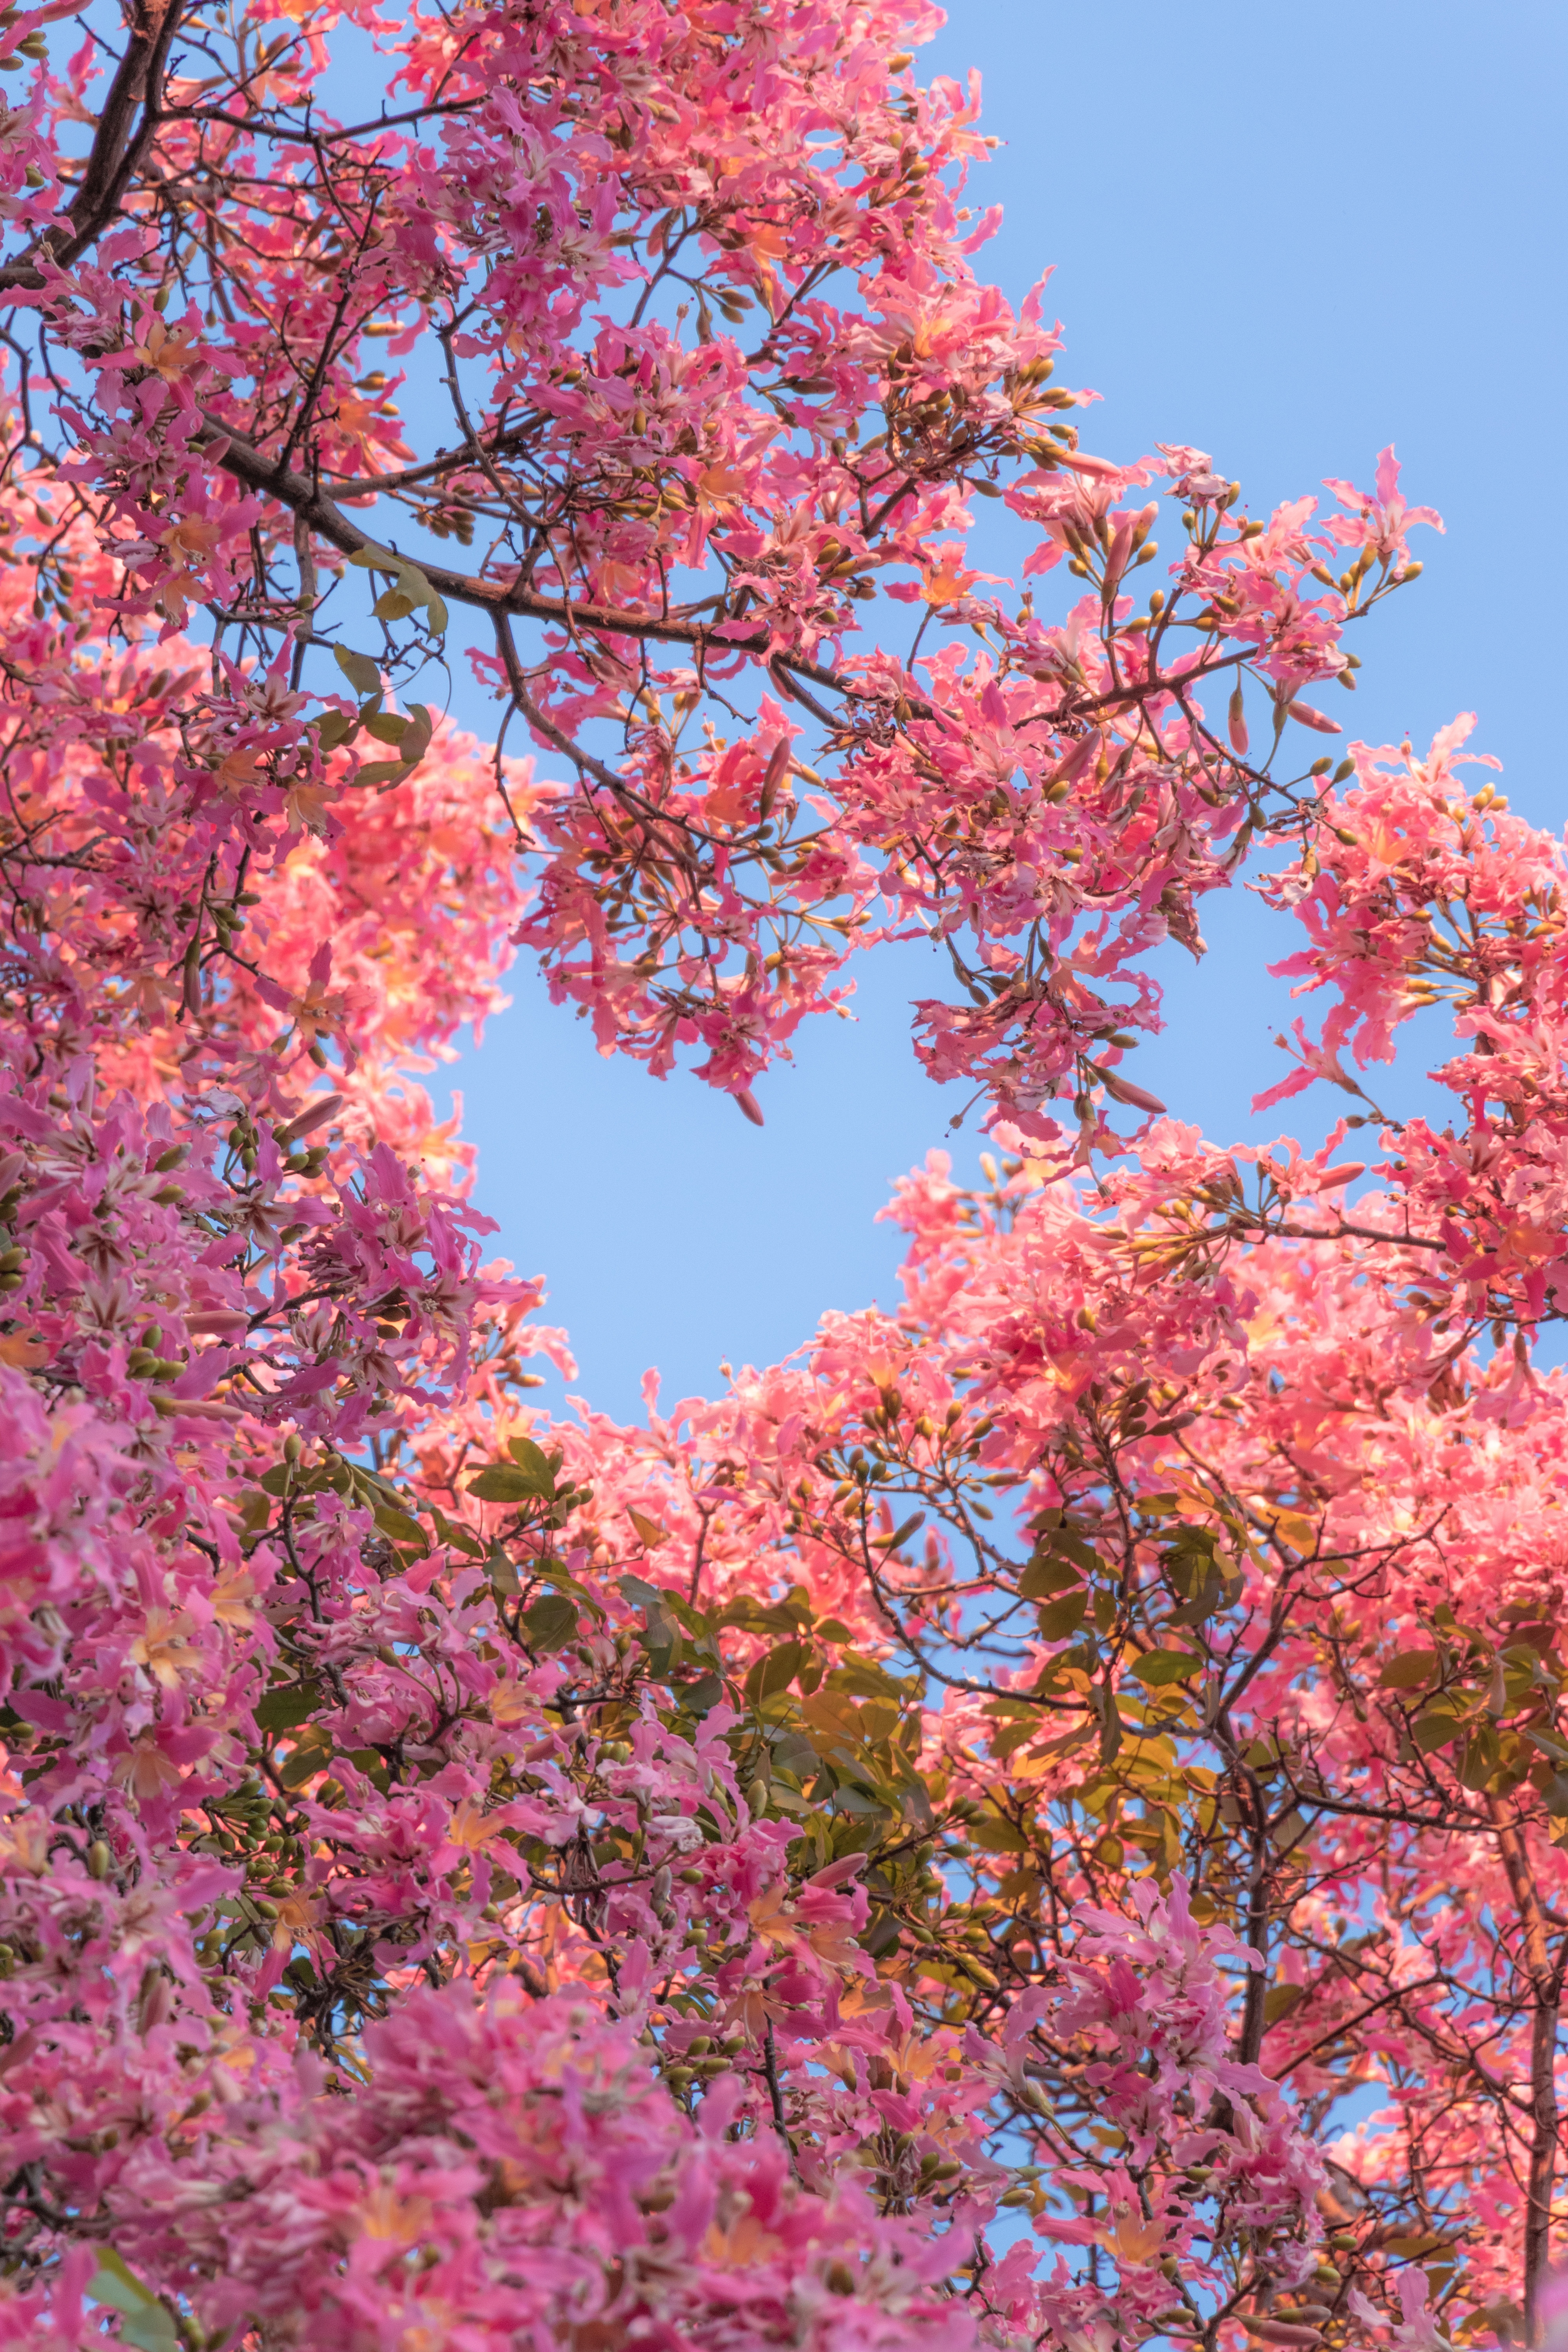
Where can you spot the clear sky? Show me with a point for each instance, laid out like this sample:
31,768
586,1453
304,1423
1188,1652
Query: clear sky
1290,236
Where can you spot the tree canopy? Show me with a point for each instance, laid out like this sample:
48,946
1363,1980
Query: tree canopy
1040,1821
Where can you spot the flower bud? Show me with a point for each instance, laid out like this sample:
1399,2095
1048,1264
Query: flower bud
1236,718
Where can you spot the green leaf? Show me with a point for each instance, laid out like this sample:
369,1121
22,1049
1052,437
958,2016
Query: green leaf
400,1527
382,771
335,727
1064,1540
1206,1601
435,610
1043,1575
311,1753
774,1671
1167,1666
695,1621
386,726
461,1539
1057,1619
551,1622
288,1703
994,1835
373,1766
412,589
1188,1538
749,1615
1482,1757
1279,2000
555,1572
147,2323
360,672
502,1482
866,1679
1410,1671
662,1640
528,1456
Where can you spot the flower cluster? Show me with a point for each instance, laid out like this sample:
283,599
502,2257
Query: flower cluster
672,275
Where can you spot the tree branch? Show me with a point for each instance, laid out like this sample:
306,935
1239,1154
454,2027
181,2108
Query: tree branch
119,146
251,466
1546,1988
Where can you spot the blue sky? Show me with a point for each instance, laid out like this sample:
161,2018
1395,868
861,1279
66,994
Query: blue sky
1290,237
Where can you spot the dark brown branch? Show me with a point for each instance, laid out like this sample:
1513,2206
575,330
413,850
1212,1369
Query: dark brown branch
258,472
775,2096
118,147
1546,1990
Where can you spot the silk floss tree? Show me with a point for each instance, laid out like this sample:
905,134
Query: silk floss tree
921,1849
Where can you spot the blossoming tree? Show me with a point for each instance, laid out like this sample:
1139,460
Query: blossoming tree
921,1850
